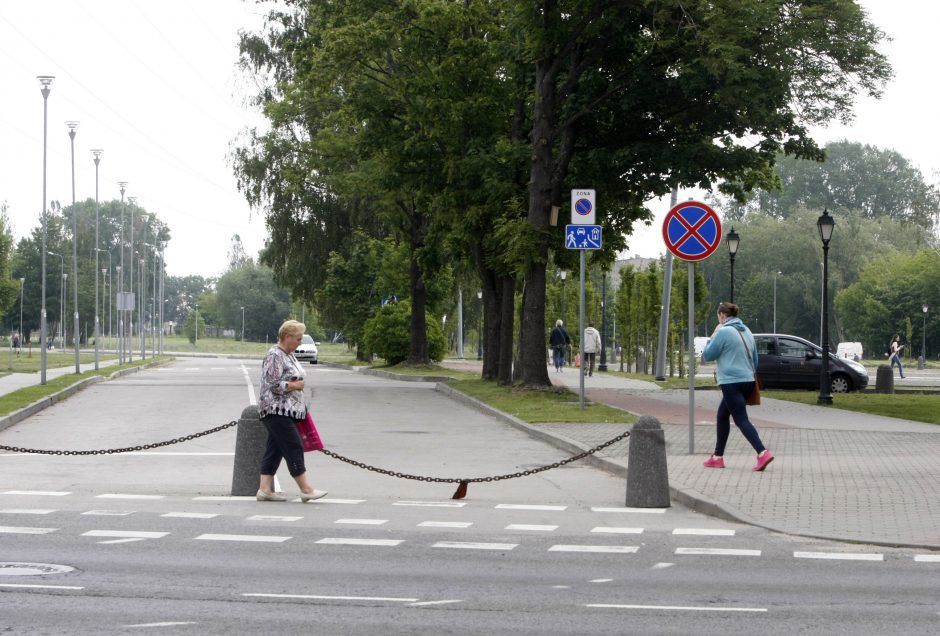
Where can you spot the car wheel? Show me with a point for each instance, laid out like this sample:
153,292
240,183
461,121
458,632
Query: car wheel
841,384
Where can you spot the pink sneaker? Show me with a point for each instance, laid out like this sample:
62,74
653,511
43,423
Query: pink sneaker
714,462
763,459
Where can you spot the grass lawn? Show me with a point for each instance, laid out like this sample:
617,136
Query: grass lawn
907,406
55,359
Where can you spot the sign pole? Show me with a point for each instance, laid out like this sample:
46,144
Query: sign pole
691,344
581,335
660,369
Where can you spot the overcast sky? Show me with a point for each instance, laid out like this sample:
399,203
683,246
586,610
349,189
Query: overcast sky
155,85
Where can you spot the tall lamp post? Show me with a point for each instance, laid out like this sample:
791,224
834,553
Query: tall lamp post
603,365
96,153
480,330
243,324
129,336
564,280
22,284
72,125
775,300
733,241
923,343
61,278
45,82
116,298
825,224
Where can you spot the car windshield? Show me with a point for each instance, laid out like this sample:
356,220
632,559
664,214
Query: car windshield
306,339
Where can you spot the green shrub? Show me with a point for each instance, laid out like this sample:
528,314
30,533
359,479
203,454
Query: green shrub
388,334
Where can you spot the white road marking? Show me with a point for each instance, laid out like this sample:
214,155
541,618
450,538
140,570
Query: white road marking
561,587
534,528
258,538
42,587
108,513
468,545
251,387
375,542
38,493
646,511
191,515
600,580
320,597
217,498
164,624
431,504
363,522
445,524
26,511
678,608
842,556
351,502
125,534
704,532
614,530
620,549
927,558
127,496
426,603
717,552
272,518
662,566
528,507
129,540
17,530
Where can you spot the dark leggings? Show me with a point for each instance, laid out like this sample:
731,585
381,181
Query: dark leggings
283,443
733,404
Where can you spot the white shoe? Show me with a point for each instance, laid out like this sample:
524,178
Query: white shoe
316,494
263,496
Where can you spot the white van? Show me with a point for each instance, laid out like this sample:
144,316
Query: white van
849,350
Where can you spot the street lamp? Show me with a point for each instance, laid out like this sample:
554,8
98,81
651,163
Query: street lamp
564,280
243,324
96,153
733,241
117,297
22,283
825,224
46,86
775,300
923,342
129,336
603,365
61,291
480,331
72,125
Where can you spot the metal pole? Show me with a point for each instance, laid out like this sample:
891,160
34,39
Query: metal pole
129,337
825,394
46,82
243,324
97,155
581,334
153,308
691,345
660,370
162,276
22,338
603,364
460,323
72,125
775,301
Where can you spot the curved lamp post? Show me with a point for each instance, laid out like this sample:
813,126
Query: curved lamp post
825,224
733,241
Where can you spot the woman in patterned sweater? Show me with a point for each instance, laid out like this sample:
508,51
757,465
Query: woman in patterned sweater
280,404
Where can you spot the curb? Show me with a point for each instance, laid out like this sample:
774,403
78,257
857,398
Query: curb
31,409
389,375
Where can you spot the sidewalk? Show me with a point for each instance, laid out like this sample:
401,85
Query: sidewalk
837,474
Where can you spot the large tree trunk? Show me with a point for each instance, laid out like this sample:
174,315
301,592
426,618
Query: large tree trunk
418,353
507,297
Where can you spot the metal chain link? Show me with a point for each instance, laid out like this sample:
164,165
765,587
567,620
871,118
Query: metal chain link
470,480
128,449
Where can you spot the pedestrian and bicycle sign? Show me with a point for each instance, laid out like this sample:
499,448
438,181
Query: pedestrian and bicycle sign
583,237
692,231
583,210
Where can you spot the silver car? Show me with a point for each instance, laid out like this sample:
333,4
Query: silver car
307,350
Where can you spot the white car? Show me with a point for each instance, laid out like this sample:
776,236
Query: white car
307,350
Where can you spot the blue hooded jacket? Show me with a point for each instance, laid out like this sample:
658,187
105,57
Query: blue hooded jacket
727,348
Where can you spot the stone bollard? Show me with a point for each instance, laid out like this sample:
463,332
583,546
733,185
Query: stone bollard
647,477
884,379
250,438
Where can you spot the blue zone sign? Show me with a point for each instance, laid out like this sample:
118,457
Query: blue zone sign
583,237
692,231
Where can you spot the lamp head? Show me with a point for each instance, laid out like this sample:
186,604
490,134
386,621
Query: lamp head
733,241
825,223
925,308
45,82
564,274
72,125
97,155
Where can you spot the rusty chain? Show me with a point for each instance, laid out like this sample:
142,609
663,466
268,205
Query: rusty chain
127,449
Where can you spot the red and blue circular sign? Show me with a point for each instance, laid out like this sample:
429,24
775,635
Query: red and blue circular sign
692,231
583,207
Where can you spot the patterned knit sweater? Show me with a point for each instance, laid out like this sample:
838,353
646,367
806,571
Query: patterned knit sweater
279,368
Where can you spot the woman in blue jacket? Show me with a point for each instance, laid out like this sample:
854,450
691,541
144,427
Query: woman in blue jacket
733,347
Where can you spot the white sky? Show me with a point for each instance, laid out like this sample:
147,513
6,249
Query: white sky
154,84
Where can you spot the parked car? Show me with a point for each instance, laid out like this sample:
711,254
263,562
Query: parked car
790,362
307,350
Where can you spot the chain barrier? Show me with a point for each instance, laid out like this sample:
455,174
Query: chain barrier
113,451
462,481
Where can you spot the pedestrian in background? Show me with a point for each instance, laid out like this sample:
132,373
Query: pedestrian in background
896,347
559,340
733,347
590,345
280,403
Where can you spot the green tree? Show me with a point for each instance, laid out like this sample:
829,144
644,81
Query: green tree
266,304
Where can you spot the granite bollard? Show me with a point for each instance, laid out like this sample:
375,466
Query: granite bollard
250,438
647,476
884,379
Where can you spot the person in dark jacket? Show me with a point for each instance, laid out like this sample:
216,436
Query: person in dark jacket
559,340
